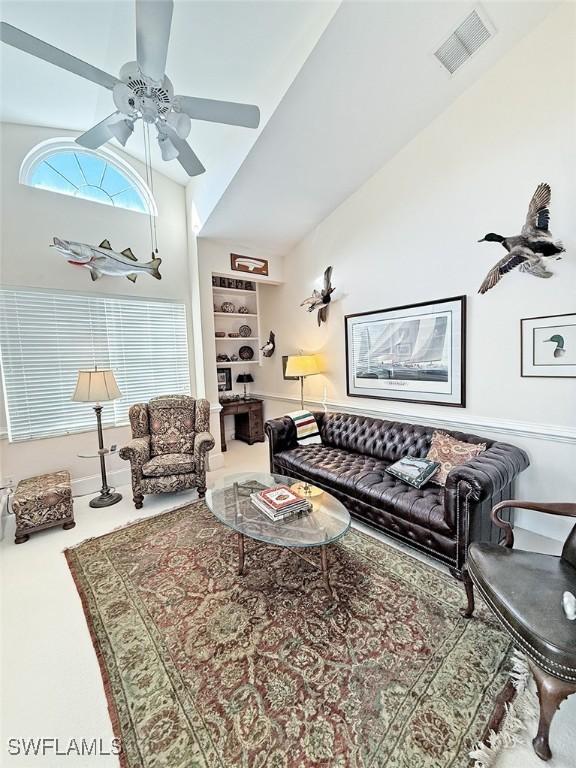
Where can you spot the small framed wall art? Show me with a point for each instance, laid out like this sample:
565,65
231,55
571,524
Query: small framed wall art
415,353
548,346
224,376
250,264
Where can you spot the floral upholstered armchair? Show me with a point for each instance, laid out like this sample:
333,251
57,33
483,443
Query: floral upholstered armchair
169,446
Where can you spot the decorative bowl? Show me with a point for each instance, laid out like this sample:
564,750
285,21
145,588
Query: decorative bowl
245,330
246,353
227,306
234,335
243,310
220,334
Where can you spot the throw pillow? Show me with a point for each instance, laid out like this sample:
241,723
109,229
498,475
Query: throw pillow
450,453
416,472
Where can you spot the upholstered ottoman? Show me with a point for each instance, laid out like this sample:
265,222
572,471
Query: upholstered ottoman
42,502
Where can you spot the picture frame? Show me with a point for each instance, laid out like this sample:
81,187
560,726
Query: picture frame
548,346
284,364
224,378
414,353
251,264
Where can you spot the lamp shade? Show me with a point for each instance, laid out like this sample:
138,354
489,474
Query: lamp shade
302,365
96,387
244,378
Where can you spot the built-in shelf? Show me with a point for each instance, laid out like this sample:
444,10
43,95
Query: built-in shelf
231,322
235,314
220,363
220,289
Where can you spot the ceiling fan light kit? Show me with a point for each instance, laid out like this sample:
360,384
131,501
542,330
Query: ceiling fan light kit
143,91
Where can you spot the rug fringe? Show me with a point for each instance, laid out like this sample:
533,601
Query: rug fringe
130,523
519,712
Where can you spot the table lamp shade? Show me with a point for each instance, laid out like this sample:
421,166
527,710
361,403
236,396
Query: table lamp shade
96,387
302,365
244,378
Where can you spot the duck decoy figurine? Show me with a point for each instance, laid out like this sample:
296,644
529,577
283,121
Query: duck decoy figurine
527,249
560,344
320,299
268,348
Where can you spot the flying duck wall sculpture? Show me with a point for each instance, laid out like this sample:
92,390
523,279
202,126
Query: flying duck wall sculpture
321,299
527,250
102,260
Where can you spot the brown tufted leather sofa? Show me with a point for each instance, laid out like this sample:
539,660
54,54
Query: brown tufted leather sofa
350,464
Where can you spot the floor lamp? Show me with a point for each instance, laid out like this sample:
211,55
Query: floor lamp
301,366
98,387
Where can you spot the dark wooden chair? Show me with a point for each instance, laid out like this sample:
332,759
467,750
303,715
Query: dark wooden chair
524,590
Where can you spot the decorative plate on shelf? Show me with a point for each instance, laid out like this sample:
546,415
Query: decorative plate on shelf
246,353
243,310
245,330
227,306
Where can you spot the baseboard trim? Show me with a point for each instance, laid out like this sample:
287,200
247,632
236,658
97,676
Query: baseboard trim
550,432
82,486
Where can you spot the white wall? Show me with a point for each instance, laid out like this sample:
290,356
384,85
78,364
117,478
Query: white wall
30,219
409,235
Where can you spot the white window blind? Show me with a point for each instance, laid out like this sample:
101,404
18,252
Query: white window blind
46,337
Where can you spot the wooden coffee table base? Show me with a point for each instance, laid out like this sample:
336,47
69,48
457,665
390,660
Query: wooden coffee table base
323,566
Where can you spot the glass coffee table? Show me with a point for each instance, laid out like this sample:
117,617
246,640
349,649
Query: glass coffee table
328,521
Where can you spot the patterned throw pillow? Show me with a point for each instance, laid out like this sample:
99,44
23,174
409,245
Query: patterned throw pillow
450,453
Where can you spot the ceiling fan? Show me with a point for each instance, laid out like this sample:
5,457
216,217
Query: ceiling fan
142,91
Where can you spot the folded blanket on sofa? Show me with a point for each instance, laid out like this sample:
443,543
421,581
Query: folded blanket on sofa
306,427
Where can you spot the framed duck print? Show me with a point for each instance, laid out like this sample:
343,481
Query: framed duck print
415,353
548,346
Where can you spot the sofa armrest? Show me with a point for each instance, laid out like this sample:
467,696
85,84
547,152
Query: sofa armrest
281,434
137,451
203,443
488,473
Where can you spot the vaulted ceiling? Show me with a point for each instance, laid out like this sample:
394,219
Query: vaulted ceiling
368,87
236,51
342,87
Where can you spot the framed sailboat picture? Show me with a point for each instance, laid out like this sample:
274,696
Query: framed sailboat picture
415,353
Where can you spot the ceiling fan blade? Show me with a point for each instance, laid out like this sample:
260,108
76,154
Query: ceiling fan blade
186,155
32,45
214,111
100,133
153,21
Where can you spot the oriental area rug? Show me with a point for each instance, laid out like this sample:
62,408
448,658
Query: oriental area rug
203,668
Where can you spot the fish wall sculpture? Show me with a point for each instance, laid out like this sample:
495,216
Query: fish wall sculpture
102,260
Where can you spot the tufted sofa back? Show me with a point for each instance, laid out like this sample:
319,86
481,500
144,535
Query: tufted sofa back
385,440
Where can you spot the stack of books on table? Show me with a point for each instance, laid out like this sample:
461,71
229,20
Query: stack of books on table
280,502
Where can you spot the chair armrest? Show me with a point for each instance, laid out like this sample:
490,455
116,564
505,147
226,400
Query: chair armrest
137,451
550,508
281,434
490,472
203,442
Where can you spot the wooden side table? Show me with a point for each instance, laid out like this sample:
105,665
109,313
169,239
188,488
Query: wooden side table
248,420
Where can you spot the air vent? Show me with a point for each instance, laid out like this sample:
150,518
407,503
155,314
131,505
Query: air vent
463,42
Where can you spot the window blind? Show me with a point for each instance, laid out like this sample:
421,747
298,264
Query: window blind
46,337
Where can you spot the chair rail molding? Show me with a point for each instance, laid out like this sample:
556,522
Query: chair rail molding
551,432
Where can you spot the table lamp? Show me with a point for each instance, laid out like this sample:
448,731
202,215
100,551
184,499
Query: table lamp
98,387
302,366
244,378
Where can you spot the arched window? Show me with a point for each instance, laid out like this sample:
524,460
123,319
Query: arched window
61,165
